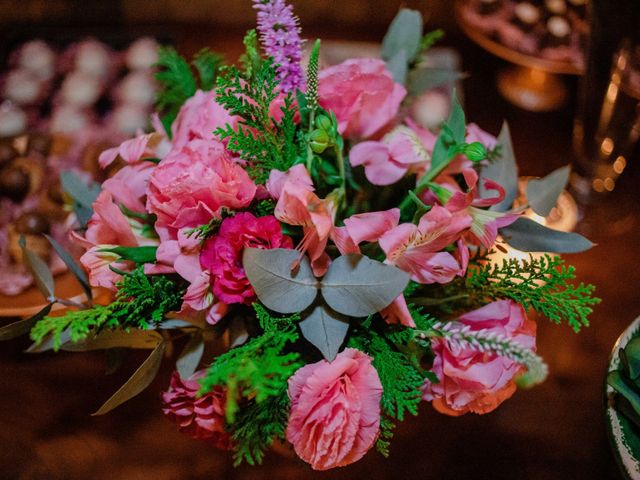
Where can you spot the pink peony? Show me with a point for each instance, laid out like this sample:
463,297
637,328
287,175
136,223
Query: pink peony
198,118
473,381
194,183
362,94
387,161
335,410
200,417
222,255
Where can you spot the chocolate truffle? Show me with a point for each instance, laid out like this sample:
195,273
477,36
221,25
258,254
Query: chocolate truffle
14,183
526,15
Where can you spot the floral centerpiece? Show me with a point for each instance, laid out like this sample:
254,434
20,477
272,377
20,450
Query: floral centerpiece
340,251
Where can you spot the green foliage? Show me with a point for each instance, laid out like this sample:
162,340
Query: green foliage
541,284
144,299
264,207
430,39
265,143
141,300
258,369
251,59
78,323
257,425
178,82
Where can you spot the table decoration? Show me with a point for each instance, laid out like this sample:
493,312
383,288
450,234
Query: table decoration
338,249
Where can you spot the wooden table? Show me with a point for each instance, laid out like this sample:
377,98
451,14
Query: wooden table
555,431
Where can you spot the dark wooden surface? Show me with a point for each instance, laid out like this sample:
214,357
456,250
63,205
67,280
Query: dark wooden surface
555,431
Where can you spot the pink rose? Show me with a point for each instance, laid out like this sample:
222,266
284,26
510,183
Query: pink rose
335,410
194,183
222,255
362,94
198,118
200,417
473,381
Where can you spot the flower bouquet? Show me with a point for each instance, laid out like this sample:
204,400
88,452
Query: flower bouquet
339,251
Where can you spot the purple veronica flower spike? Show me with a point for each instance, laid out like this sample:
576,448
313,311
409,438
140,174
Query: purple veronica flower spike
280,37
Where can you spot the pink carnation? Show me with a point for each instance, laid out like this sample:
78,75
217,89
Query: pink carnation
200,417
194,183
335,410
198,118
222,254
362,94
473,381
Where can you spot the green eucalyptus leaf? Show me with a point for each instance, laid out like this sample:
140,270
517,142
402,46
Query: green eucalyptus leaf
39,270
398,65
141,339
77,189
529,236
140,380
72,265
543,193
358,286
22,327
278,287
404,33
503,170
326,330
632,358
190,356
146,254
421,79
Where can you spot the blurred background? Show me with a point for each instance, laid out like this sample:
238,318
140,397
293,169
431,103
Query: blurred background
566,82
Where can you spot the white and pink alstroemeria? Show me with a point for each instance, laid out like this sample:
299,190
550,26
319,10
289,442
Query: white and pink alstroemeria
418,249
484,223
387,161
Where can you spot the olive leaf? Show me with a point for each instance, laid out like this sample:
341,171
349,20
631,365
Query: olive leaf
529,236
325,329
358,286
503,170
50,342
72,265
140,380
190,356
421,79
141,339
22,327
276,285
83,195
543,193
39,270
398,65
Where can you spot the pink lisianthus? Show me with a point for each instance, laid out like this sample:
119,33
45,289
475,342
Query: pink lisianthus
200,417
297,174
476,134
198,118
362,94
417,249
335,410
473,381
387,161
221,255
194,183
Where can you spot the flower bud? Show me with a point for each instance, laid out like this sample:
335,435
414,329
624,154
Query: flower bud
323,122
475,151
319,140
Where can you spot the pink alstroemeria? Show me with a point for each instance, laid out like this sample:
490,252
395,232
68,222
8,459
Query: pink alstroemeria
108,227
387,161
485,223
417,249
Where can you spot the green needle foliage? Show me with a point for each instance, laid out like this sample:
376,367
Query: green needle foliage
178,82
260,368
540,284
265,143
141,301
257,425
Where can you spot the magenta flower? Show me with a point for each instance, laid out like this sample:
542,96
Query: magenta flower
280,37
